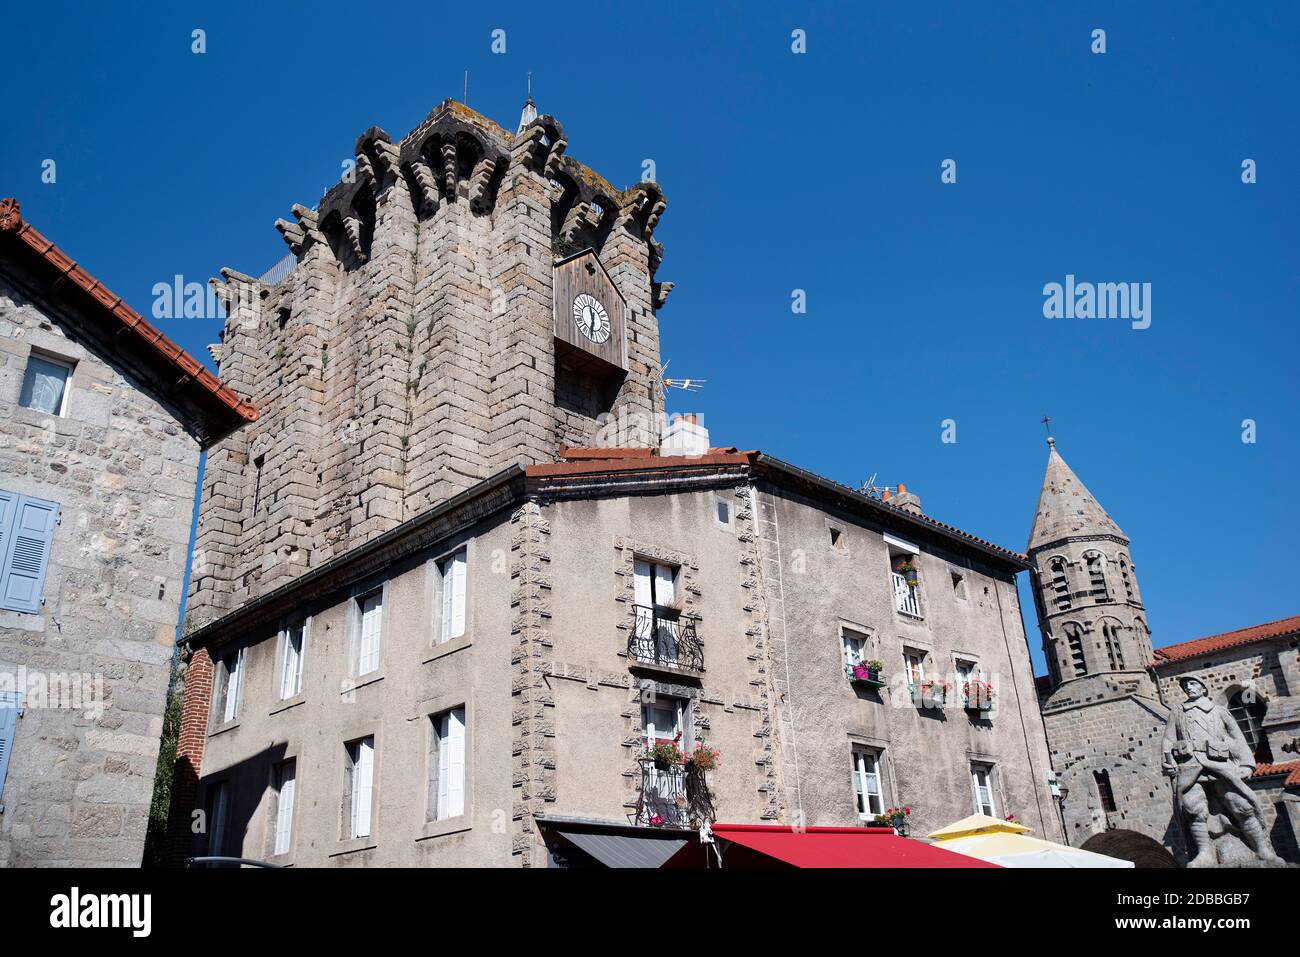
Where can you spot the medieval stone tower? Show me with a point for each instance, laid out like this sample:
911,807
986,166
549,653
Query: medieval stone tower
463,300
1101,706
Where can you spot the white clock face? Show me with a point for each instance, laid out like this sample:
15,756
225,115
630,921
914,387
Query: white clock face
591,318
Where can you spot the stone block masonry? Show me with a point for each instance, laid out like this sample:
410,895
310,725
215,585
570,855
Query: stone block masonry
410,352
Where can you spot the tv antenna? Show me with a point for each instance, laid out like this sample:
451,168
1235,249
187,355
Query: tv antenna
869,487
686,385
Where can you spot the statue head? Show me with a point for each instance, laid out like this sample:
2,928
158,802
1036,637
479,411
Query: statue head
1192,687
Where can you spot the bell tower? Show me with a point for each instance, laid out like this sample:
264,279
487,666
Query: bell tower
1085,586
464,299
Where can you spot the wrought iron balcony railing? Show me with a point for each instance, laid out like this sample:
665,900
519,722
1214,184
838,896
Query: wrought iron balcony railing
673,795
663,637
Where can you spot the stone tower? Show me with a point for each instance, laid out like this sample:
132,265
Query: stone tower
413,343
1086,590
1101,706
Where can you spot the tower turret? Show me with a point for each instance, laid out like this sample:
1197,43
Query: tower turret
1085,584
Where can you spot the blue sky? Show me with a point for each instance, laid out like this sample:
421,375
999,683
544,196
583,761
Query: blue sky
818,172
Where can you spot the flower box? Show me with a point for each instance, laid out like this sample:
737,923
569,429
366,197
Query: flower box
869,674
930,694
977,695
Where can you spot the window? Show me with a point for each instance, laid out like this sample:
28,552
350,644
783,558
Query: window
218,817
45,384
966,670
981,777
447,765
9,707
1127,578
662,719
855,647
958,584
914,665
370,610
866,784
904,576
286,775
358,786
1104,792
654,589
230,679
1249,711
453,596
1114,651
26,533
1096,577
295,638
721,511
837,538
1060,585
1074,645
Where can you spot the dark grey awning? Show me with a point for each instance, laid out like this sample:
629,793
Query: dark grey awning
615,850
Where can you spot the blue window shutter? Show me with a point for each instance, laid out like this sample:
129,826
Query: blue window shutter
8,504
8,728
27,553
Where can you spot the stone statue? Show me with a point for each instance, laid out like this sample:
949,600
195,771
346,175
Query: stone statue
1206,755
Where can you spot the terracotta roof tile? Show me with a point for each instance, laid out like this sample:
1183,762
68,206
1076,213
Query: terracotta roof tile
1229,639
1291,769
114,310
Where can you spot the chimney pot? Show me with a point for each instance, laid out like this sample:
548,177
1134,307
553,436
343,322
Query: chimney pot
902,489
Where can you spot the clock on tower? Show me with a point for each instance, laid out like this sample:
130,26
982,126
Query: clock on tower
589,317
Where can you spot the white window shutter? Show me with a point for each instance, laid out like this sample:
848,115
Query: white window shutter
641,593
456,763
372,610
444,766
362,782
8,730
284,809
664,591
458,595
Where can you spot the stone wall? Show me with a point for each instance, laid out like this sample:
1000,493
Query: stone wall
123,472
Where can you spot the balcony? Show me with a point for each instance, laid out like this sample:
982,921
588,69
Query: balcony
662,639
673,795
905,596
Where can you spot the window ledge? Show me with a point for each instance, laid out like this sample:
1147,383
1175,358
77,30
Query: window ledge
287,703
448,647
452,825
230,725
358,683
355,845
283,860
667,671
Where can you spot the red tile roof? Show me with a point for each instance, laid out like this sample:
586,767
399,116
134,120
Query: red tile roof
1291,769
112,309
1229,639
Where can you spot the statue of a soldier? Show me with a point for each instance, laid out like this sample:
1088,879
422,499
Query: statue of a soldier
1206,755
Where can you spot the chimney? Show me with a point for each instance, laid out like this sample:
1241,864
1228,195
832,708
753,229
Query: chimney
908,501
685,436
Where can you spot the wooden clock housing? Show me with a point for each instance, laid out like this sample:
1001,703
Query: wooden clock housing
574,275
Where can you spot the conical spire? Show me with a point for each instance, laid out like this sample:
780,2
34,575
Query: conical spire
1066,509
528,115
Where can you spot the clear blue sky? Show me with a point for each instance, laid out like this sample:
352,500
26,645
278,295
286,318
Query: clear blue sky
818,172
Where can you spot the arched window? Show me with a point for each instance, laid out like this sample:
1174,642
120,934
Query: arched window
1060,588
1249,711
1127,577
1114,651
1074,645
1096,577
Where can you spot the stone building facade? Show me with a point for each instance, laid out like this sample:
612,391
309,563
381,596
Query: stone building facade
104,420
455,588
1107,696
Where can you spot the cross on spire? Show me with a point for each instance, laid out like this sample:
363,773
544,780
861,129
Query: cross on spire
1047,424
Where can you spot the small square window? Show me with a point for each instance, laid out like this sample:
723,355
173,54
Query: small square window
722,511
958,584
45,384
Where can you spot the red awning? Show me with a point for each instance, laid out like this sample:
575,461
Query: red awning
761,845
